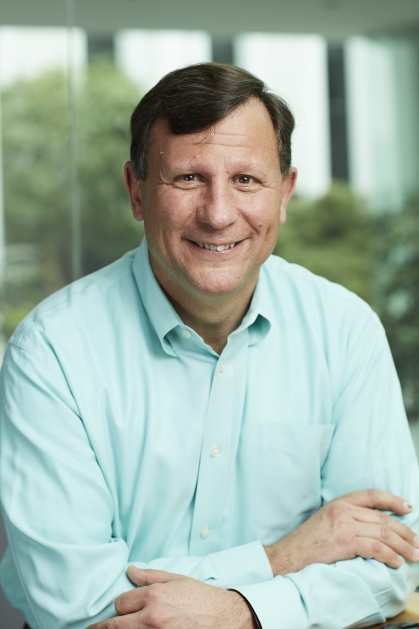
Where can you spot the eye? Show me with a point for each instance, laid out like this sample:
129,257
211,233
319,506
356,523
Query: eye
246,179
188,181
246,182
189,177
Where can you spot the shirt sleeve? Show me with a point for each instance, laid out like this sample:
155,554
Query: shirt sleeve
58,510
371,448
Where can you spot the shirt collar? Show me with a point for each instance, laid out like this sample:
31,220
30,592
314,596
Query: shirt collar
164,318
259,315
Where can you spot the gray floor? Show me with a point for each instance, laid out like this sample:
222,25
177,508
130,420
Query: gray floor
11,619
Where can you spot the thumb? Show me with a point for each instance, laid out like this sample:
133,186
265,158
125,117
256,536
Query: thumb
143,576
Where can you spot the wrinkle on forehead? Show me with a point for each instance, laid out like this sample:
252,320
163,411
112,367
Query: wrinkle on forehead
205,157
214,136
247,134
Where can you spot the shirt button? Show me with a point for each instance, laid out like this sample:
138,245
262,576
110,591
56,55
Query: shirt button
186,334
205,532
223,367
215,452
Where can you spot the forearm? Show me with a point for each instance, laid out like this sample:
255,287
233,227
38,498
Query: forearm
77,585
240,565
356,592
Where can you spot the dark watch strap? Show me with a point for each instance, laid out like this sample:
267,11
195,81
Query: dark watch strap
252,611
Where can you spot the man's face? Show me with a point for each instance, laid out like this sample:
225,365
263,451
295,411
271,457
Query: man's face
212,203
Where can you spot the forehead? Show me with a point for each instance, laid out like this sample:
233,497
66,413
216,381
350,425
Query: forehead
247,130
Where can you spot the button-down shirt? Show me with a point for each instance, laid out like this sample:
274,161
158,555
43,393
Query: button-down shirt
126,439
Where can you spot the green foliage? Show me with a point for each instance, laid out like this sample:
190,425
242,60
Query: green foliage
13,315
36,141
330,236
106,104
396,271
36,187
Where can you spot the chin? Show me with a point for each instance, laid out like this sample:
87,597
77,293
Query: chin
213,287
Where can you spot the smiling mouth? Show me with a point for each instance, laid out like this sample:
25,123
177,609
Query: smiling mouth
205,245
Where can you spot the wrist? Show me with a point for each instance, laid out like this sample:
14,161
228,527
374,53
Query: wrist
283,561
271,555
250,618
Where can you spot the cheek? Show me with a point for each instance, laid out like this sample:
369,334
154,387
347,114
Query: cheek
262,211
264,221
174,210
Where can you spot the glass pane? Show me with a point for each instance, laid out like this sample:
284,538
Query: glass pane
67,96
36,174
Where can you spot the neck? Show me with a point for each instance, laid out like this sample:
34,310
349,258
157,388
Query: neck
216,322
214,318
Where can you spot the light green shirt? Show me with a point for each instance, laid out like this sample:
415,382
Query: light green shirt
126,439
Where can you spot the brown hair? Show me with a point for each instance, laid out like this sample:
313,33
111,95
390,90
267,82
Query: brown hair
195,98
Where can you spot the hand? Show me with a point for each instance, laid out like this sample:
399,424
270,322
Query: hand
345,528
172,601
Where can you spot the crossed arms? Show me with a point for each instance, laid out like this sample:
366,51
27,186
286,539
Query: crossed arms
72,575
343,529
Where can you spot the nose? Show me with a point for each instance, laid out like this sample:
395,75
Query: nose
217,208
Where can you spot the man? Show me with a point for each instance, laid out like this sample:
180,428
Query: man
192,415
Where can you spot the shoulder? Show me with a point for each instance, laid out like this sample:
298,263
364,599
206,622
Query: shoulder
86,301
316,300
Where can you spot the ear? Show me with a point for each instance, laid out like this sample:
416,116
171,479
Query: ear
287,188
133,186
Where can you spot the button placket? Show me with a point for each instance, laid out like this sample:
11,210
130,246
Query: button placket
213,469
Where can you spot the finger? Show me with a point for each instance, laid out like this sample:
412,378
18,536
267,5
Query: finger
377,517
391,539
143,576
130,602
374,549
377,499
122,622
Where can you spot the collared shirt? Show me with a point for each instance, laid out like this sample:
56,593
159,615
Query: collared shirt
126,439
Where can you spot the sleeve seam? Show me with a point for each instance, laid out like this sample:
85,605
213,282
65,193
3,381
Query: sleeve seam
59,375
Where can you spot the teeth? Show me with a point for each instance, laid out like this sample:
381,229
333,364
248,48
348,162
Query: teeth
204,245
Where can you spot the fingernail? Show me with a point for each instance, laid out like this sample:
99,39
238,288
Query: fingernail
131,567
415,555
407,505
400,560
416,541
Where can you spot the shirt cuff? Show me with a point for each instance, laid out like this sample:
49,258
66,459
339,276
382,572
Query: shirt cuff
277,604
241,565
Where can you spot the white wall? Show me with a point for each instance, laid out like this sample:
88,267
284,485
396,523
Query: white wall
27,52
383,105
146,56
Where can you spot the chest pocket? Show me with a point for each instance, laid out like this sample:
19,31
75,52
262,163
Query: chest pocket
288,483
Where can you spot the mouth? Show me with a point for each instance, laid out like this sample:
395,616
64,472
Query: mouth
211,247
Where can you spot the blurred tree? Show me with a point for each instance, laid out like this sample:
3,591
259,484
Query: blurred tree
396,275
330,237
36,183
37,180
106,104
